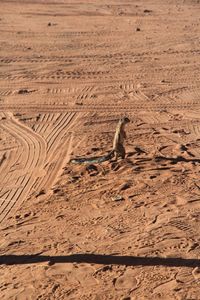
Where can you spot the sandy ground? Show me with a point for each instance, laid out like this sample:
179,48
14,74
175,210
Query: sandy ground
120,230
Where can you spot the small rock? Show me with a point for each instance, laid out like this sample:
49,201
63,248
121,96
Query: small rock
117,198
23,91
137,29
51,24
147,11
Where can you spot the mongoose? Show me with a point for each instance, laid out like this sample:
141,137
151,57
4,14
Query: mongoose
120,135
118,149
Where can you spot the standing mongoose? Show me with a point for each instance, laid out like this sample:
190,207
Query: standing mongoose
117,151
120,135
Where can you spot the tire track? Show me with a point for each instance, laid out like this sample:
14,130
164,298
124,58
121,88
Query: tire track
85,93
172,92
5,164
54,130
58,147
181,225
131,91
6,92
31,160
73,75
58,130
51,108
127,56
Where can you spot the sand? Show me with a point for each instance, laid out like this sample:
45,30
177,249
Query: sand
119,230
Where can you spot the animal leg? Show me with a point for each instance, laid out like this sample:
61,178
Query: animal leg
115,157
121,151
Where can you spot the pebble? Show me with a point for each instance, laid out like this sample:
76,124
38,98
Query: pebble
117,198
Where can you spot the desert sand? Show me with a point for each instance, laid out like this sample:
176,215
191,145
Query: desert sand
117,230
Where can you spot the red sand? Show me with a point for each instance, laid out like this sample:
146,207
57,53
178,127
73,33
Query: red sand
69,71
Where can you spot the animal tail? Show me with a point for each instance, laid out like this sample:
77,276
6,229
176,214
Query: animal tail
90,160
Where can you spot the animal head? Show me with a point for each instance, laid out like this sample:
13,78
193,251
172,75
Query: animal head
125,120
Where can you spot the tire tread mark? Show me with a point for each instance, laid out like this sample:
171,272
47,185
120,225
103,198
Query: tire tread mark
35,146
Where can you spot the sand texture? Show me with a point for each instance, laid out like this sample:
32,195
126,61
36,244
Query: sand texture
126,229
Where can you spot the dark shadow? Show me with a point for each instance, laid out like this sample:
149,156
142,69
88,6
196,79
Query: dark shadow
142,169
162,163
173,160
100,259
177,159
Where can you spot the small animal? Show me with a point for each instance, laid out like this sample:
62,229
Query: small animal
120,136
117,151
